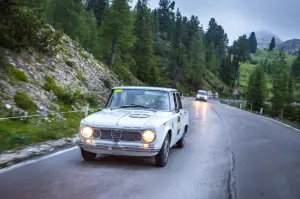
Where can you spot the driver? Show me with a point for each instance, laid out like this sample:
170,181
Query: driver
160,102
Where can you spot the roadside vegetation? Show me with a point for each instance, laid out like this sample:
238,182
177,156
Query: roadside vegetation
161,47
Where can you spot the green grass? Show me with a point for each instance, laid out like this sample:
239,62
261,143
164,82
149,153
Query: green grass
24,102
16,74
15,134
247,68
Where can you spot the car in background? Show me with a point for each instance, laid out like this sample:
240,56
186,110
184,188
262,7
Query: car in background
136,121
202,95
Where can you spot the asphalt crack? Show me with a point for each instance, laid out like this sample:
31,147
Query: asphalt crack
231,183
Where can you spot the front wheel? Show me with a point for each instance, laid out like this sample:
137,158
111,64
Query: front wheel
161,158
87,156
181,142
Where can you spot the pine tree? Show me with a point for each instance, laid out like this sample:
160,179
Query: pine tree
20,23
143,52
196,61
99,7
280,86
252,43
91,41
256,93
67,16
216,34
291,87
296,66
227,70
272,44
117,28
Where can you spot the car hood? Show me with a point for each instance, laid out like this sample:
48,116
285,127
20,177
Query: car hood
125,118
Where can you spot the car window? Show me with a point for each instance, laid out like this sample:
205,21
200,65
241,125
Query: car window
158,100
175,101
179,103
202,92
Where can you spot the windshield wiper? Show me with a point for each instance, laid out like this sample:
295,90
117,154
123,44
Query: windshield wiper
134,106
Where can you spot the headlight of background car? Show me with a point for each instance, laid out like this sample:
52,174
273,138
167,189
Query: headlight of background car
148,136
87,132
198,95
205,97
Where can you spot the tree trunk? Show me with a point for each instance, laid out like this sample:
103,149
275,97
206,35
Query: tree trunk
176,78
113,52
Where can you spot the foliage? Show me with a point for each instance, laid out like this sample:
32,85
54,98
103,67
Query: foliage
280,85
64,95
24,102
143,52
118,28
296,66
99,7
252,43
272,44
16,74
256,93
15,134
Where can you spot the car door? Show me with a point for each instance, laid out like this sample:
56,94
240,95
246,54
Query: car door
182,117
174,118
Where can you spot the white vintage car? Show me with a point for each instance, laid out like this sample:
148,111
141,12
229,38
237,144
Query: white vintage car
136,121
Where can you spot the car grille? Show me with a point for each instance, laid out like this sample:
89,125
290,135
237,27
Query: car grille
120,135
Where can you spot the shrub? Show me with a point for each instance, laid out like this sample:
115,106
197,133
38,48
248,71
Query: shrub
254,62
16,74
24,102
69,63
67,96
107,83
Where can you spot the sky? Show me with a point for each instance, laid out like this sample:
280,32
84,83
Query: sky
238,17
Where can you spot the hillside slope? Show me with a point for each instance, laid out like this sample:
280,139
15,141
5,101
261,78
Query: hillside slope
291,47
73,75
247,68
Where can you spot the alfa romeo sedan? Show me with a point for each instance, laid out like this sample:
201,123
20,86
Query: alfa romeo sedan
136,121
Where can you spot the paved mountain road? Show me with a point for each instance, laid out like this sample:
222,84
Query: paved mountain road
228,154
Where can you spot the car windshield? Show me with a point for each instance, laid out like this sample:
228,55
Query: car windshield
202,93
138,98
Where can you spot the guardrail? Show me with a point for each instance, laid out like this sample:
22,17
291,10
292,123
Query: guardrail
86,111
266,110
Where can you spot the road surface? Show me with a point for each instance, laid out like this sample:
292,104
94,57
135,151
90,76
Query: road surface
228,154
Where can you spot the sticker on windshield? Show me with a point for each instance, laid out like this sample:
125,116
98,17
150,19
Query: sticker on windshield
118,91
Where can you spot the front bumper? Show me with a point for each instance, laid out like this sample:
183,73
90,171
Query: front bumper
201,98
120,148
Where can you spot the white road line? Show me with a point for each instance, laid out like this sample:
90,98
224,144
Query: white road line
22,164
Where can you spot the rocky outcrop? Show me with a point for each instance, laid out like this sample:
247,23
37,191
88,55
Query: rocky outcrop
264,38
72,68
291,47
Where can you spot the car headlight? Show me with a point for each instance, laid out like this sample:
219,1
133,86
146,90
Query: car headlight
148,136
87,132
205,97
198,95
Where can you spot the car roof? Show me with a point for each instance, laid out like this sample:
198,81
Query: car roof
202,91
147,88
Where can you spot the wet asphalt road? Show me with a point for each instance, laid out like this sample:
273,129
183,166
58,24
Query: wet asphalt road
228,154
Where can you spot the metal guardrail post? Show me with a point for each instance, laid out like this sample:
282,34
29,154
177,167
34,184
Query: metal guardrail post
261,110
87,110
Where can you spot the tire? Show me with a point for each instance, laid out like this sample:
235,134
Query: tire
162,157
181,142
87,156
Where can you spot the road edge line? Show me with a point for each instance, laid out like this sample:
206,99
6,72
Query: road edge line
266,118
28,162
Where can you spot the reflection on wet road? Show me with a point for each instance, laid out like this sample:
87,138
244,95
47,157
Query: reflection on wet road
228,154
